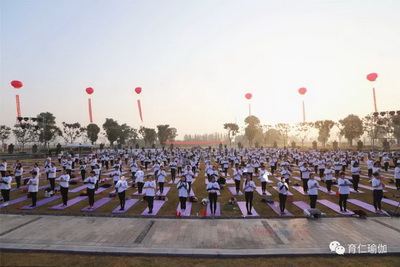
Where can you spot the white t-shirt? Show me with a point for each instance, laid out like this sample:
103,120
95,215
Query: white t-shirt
33,184
284,189
329,174
139,176
6,184
183,188
121,186
377,184
64,180
314,190
150,191
397,173
345,188
249,186
215,187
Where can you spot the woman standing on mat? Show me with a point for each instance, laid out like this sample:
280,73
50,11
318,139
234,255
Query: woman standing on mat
161,179
283,191
328,177
183,190
344,191
82,168
5,187
237,175
249,187
212,188
313,186
121,186
150,187
139,179
264,179
18,171
91,185
377,194
33,187
64,184
355,172
52,176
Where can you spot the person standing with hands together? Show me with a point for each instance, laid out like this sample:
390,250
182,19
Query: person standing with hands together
5,187
212,188
121,187
344,191
183,189
283,192
249,187
64,184
377,194
91,186
150,187
313,186
33,187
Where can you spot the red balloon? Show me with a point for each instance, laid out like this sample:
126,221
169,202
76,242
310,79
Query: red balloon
16,84
302,90
248,96
89,90
372,77
138,90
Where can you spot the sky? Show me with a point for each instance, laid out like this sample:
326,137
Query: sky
196,60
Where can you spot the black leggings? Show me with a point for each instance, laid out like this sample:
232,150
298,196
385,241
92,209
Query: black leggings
64,194
150,202
237,183
356,180
398,183
121,196
52,183
18,180
140,187
321,173
6,194
313,201
343,201
329,185
83,174
173,175
282,201
190,187
263,186
34,198
213,202
182,200
90,193
249,200
377,195
305,184
161,185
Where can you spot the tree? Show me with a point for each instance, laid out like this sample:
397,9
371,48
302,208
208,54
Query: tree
303,130
4,133
72,131
233,129
126,133
47,130
162,133
396,128
324,129
252,129
112,130
352,127
91,132
149,135
172,134
24,133
283,129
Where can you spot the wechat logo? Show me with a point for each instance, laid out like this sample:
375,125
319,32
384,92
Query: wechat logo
336,247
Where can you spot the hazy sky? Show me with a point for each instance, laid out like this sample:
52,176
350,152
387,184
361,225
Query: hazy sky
195,60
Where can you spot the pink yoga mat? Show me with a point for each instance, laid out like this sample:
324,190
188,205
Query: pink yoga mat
390,202
334,207
217,210
301,204
325,190
259,191
156,208
175,182
364,205
187,211
98,204
166,190
128,204
276,209
230,181
233,191
288,193
69,203
242,207
353,191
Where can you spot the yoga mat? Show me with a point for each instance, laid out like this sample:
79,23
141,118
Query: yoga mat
156,208
217,211
390,202
233,191
137,193
101,189
276,209
191,194
242,207
166,190
69,203
300,190
390,187
230,181
302,205
41,202
175,182
24,186
14,201
334,207
128,204
188,208
259,191
352,190
77,189
364,205
98,204
369,187
288,193
325,190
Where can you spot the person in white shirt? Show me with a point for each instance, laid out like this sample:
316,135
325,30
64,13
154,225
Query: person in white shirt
370,165
344,191
263,179
386,161
36,169
328,177
377,193
134,169
150,187
305,176
313,186
237,175
82,168
3,167
355,172
212,188
139,175
18,171
249,187
5,186
116,174
121,187
173,165
161,179
397,176
64,185
51,176
33,187
283,192
183,188
91,182
189,176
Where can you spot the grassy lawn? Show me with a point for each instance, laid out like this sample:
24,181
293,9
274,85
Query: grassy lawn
199,189
60,259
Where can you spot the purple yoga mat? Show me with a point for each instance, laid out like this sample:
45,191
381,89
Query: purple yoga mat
242,207
230,181
390,202
233,191
175,182
69,203
334,207
206,180
276,209
191,194
217,211
77,189
353,191
41,202
390,187
98,204
369,187
137,193
128,204
325,190
288,193
14,201
259,191
188,209
364,205
166,190
24,186
156,208
302,205
101,189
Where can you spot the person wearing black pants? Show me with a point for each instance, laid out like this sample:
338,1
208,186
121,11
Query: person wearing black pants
305,176
91,185
82,167
5,185
397,176
18,174
121,187
33,187
249,187
377,194
3,167
212,188
344,191
237,176
183,188
283,191
355,171
313,186
64,185
150,187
